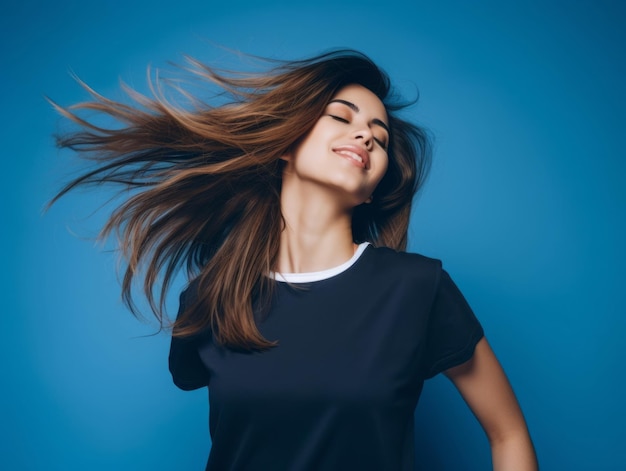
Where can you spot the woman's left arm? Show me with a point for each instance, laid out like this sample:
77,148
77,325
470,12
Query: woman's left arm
487,391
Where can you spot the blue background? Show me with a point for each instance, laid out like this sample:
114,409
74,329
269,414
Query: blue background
525,205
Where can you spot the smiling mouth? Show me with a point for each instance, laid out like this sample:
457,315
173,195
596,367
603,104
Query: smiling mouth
358,157
350,154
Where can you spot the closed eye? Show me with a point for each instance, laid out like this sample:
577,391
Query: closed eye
339,118
381,144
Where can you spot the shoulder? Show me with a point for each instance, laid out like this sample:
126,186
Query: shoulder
405,263
404,270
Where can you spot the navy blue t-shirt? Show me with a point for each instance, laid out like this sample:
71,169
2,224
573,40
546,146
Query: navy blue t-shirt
339,391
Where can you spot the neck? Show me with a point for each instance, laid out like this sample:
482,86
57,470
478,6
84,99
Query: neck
317,234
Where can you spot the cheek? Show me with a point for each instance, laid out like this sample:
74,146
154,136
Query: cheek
312,143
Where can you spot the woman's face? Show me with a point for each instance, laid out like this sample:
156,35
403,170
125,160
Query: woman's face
346,151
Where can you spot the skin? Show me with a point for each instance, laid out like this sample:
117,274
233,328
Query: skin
322,183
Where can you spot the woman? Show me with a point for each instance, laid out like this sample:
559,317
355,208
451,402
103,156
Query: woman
289,207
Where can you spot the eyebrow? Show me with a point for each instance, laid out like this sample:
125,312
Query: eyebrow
355,108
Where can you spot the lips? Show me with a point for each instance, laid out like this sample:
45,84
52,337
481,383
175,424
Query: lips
358,155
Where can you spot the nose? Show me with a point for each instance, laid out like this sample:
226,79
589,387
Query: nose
365,136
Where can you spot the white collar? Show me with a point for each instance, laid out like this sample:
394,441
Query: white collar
320,275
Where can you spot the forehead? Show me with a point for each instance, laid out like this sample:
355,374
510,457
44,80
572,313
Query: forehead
365,100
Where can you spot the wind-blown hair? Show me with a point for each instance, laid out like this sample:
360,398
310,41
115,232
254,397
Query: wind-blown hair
204,183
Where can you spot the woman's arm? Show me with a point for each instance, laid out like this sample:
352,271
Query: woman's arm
486,389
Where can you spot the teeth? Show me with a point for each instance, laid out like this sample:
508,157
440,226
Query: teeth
356,157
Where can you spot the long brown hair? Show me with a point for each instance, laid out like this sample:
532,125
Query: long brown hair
204,183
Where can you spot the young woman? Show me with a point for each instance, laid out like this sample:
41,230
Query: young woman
289,207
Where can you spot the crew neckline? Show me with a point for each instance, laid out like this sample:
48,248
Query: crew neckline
308,277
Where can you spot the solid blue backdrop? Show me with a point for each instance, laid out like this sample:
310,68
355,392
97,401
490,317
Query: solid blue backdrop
525,205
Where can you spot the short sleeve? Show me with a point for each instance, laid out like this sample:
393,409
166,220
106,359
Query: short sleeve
453,330
188,371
